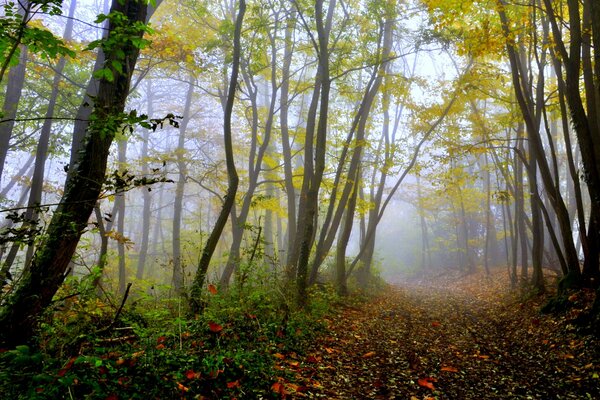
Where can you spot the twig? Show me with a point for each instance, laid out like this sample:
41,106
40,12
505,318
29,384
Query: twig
121,306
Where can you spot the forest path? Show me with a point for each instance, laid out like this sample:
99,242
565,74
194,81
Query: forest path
471,341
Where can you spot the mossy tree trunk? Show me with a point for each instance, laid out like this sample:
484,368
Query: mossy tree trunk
21,312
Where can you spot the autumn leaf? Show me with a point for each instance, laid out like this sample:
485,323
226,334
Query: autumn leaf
449,369
427,382
234,384
182,388
67,366
191,374
313,359
435,324
368,355
279,388
279,355
212,289
214,327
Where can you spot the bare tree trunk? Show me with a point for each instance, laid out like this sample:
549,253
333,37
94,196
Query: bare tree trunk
342,245
147,198
178,278
213,239
41,154
120,209
14,87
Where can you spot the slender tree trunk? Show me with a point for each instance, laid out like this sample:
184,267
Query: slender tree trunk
41,154
14,87
120,209
147,198
310,190
178,278
344,237
213,239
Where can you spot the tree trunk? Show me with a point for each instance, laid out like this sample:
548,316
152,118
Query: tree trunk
147,198
20,313
178,278
213,239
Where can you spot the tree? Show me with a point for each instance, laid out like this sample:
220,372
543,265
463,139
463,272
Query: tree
233,179
20,313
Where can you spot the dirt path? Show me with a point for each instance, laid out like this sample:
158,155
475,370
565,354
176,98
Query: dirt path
425,342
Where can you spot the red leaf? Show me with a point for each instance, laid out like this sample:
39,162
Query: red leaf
67,366
234,384
212,289
161,339
214,327
427,382
112,397
279,388
191,374
435,324
313,359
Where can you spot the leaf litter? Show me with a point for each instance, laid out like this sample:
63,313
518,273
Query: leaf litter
462,338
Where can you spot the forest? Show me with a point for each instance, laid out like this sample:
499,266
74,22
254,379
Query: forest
281,199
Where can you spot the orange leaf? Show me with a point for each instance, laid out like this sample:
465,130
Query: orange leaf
214,327
234,384
329,350
279,355
182,388
369,354
427,382
313,359
449,369
212,289
435,324
191,374
279,387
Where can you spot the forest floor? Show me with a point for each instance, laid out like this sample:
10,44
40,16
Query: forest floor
460,338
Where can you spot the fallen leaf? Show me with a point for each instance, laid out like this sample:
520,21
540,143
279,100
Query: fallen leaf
214,327
369,354
329,350
435,324
212,289
234,384
449,369
427,382
279,388
279,355
182,388
191,374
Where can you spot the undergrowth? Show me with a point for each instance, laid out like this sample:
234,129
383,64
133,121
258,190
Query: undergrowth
153,350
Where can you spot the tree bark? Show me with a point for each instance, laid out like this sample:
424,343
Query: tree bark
20,313
233,179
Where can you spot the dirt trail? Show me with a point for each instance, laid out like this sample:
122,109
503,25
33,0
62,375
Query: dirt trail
430,342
